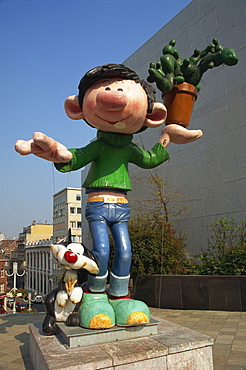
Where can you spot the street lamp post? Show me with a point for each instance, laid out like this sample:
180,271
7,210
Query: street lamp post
30,300
15,273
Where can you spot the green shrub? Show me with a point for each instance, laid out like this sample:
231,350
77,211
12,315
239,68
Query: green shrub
156,247
226,253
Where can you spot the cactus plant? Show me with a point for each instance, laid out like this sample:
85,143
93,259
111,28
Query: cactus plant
172,70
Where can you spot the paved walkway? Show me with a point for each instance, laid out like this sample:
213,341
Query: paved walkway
228,329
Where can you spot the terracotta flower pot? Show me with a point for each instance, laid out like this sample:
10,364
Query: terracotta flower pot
179,103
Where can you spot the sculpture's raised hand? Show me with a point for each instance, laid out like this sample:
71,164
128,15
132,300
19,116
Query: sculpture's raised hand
44,147
178,135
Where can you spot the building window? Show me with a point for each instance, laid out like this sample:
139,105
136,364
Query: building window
2,288
79,210
2,273
72,209
79,224
56,266
78,197
73,224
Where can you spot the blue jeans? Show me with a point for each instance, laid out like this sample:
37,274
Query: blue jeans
100,217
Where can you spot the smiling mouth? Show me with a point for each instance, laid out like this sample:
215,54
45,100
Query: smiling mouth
113,123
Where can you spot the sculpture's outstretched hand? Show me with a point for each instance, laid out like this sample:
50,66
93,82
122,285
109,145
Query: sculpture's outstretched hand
177,134
44,147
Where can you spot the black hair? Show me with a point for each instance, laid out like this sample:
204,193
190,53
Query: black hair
115,71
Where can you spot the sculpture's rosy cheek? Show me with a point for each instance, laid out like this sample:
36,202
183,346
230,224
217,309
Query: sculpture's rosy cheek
137,106
90,103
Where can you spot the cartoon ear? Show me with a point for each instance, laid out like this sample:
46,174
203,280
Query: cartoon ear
69,236
157,116
72,108
55,248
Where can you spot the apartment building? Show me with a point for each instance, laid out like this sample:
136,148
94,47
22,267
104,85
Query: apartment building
67,214
7,246
3,276
32,233
43,271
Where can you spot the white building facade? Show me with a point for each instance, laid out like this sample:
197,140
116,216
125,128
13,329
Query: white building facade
43,270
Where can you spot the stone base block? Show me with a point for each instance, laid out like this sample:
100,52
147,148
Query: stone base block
76,336
172,348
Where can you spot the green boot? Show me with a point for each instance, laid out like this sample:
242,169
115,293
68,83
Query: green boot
95,311
130,312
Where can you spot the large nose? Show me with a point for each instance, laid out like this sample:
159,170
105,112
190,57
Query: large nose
70,257
111,100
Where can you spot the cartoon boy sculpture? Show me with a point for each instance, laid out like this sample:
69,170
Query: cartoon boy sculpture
114,100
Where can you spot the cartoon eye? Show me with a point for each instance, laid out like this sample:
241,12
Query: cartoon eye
107,88
120,89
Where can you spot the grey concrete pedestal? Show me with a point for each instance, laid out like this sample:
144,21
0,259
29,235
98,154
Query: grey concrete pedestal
75,336
173,347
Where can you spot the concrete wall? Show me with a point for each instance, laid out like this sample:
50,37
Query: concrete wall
183,292
209,173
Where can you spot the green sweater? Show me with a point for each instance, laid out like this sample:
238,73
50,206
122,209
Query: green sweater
110,155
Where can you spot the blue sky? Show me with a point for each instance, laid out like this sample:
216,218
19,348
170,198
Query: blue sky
46,47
